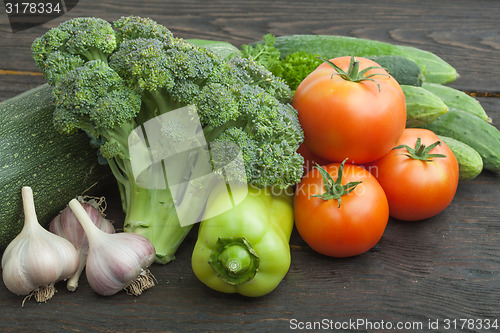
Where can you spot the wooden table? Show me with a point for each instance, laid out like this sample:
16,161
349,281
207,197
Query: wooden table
440,271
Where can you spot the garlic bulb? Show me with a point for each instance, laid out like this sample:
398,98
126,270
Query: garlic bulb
67,226
36,258
115,261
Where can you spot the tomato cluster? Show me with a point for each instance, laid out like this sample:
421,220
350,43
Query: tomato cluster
368,166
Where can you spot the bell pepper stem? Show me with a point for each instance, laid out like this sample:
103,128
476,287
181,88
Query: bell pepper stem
235,259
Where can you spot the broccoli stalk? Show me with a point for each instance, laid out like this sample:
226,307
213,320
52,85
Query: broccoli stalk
117,80
151,213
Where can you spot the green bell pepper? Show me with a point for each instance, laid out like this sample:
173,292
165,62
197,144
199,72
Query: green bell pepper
245,249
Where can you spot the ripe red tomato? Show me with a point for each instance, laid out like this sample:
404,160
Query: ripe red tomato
417,189
346,227
343,119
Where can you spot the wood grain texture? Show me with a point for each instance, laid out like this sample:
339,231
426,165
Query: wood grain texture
464,33
444,267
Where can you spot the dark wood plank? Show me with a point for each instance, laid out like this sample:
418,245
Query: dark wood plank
12,85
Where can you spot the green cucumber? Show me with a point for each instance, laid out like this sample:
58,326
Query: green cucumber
473,131
435,69
422,106
457,100
57,167
404,70
470,163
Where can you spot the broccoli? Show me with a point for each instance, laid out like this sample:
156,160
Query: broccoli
115,80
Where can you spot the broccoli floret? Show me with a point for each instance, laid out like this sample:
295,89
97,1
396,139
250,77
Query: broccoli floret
133,75
133,27
59,63
94,98
254,73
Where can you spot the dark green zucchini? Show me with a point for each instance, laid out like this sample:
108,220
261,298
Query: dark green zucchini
57,167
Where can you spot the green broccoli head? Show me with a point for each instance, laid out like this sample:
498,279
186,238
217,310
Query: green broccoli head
143,64
254,74
149,64
133,27
59,63
267,132
109,77
71,44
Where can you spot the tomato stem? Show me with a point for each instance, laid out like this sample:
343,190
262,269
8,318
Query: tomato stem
421,152
353,73
334,188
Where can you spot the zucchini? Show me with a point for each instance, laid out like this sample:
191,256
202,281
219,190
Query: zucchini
422,106
457,100
57,167
402,69
434,68
470,163
473,131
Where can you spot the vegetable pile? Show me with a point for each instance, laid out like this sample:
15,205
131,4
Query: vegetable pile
334,135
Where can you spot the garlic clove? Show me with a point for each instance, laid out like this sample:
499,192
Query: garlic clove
36,258
67,226
115,261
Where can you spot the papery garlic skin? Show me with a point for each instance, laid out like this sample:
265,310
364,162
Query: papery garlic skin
36,257
67,226
115,261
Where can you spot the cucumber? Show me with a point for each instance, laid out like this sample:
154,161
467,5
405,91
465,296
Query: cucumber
473,131
422,106
402,69
57,167
470,163
223,49
434,68
457,100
